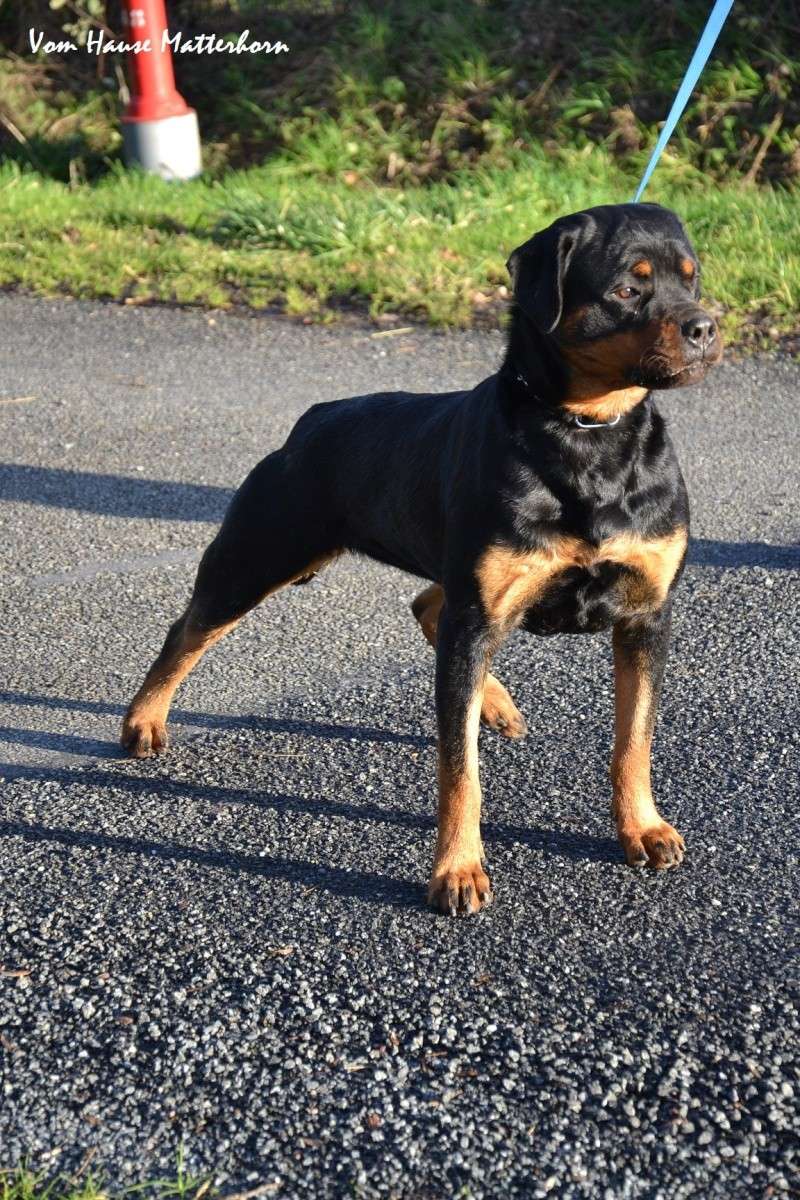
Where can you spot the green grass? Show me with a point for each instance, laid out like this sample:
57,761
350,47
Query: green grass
279,236
414,90
20,1183
393,158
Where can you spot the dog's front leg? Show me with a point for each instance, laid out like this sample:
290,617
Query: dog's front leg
459,883
640,653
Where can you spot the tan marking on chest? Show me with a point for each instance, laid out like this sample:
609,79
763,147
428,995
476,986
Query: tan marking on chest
654,564
511,581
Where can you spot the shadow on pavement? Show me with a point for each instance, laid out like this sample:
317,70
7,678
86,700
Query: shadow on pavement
65,743
75,744
113,495
705,552
578,847
363,885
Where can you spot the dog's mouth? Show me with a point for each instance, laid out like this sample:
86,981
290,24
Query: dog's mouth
658,356
682,352
661,378
658,374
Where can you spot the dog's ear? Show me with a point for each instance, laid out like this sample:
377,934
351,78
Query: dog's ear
538,269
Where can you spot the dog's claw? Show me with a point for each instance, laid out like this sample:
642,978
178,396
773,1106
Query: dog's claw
143,737
511,728
460,891
500,712
660,848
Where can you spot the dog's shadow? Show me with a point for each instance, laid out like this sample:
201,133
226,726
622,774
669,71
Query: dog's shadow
355,884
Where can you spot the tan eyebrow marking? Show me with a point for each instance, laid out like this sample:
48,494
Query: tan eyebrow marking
687,268
643,268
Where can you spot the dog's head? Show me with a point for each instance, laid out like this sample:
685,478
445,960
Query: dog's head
615,290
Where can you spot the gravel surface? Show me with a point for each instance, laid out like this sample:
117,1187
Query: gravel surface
227,949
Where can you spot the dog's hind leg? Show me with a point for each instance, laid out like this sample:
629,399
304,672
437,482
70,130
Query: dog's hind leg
270,537
498,710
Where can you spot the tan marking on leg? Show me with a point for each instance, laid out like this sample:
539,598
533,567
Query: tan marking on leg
458,882
144,726
653,561
427,608
499,711
645,837
510,581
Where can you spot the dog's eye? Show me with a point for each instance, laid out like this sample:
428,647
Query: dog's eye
627,293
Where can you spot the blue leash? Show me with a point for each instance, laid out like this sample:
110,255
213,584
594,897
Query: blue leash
709,36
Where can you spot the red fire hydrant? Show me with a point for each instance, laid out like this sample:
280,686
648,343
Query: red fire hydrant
159,130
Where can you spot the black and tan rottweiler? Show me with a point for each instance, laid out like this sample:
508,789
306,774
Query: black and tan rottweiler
547,497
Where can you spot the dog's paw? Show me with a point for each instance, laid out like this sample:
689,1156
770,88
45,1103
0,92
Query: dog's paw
499,711
659,846
464,890
143,736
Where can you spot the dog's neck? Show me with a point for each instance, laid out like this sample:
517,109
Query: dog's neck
534,358
603,405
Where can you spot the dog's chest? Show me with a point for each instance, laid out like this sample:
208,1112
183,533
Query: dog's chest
572,586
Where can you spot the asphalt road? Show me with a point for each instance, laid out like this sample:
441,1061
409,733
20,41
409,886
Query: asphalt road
227,949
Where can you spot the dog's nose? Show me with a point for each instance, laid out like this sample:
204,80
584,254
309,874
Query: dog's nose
699,331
